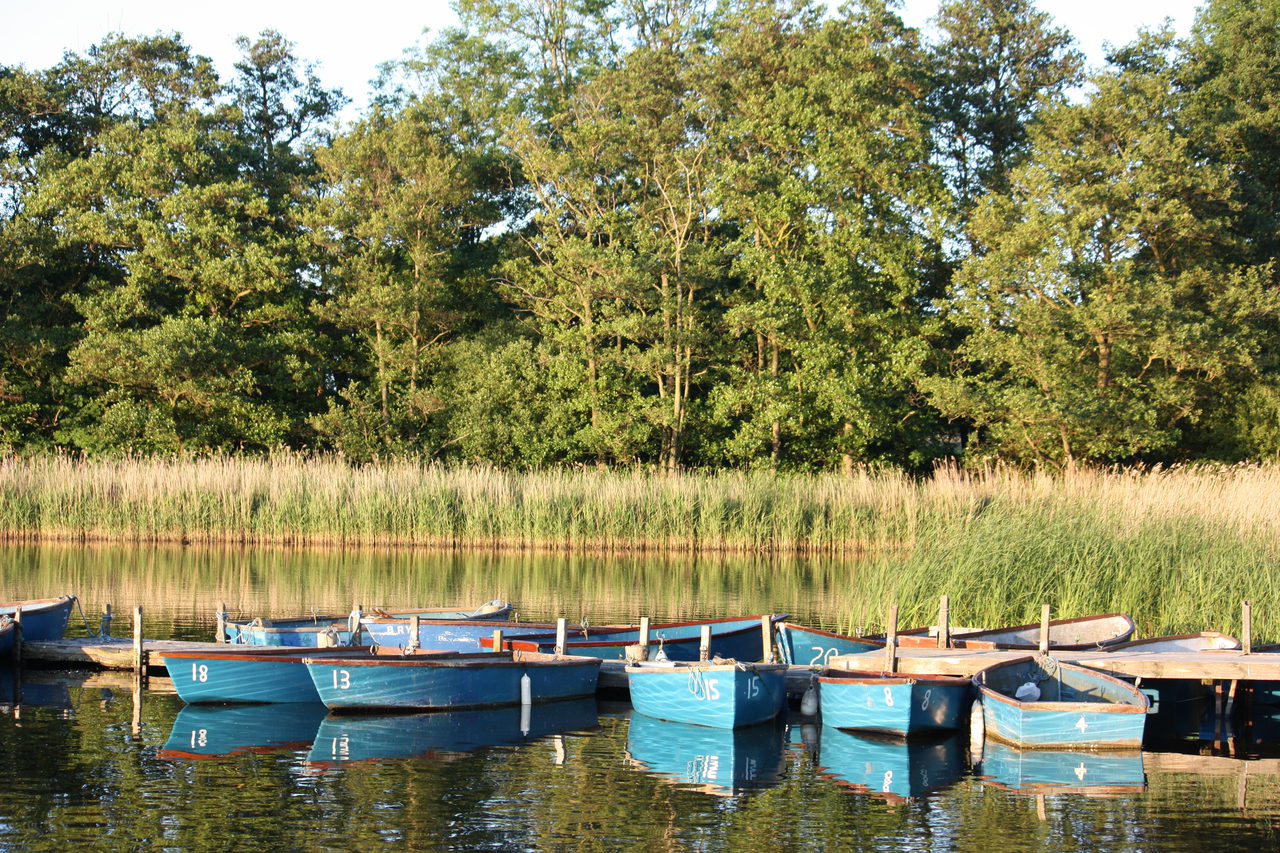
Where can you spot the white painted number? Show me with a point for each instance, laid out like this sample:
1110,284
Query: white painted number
199,672
199,737
823,655
713,692
341,679
888,780
924,703
753,688
888,697
341,748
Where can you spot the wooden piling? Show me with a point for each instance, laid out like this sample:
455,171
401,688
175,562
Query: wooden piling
414,625
1246,627
766,636
944,623
17,636
139,654
891,641
221,630
497,639
704,644
644,638
562,629
104,627
1044,629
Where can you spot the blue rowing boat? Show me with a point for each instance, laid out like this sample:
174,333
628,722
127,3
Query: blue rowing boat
204,732
735,638
453,681
1038,702
364,738
723,695
319,631
900,705
251,673
802,646
891,769
42,618
716,761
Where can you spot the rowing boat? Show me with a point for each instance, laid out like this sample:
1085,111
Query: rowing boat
1040,703
319,631
726,694
42,618
900,705
1083,632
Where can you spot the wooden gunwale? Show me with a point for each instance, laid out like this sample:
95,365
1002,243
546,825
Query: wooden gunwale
688,666
1149,641
35,602
844,676
531,642
1142,702
478,660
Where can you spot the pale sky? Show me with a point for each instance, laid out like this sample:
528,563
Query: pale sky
347,46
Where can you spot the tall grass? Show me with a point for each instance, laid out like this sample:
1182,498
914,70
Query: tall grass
1177,548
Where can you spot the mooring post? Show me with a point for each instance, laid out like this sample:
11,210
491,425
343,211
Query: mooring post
414,626
766,636
104,628
562,629
891,641
221,635
704,644
17,636
1246,626
644,638
1044,629
139,656
497,639
944,623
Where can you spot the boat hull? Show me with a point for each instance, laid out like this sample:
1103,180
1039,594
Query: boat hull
43,619
717,761
803,646
202,732
891,769
893,705
457,682
1075,707
721,696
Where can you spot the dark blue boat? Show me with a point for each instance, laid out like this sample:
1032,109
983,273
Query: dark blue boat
734,638
204,732
1044,771
355,738
251,673
1061,706
716,761
318,631
722,695
42,618
7,635
891,769
901,705
456,681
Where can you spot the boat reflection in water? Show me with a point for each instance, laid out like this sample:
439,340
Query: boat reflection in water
717,761
1045,771
19,689
893,769
351,738
222,731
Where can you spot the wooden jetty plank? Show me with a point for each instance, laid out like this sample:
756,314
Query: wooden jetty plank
105,652
1208,765
1219,665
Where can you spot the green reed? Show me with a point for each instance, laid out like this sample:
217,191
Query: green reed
1176,548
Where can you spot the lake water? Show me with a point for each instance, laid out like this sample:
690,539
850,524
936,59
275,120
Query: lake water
93,763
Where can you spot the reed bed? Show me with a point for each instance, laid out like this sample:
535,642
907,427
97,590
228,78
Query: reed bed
1177,548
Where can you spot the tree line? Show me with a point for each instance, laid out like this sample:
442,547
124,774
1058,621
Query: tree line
675,233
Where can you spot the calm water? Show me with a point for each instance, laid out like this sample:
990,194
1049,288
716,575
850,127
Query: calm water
92,763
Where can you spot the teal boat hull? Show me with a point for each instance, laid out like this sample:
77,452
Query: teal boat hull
247,674
1076,707
721,696
801,646
893,705
468,681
